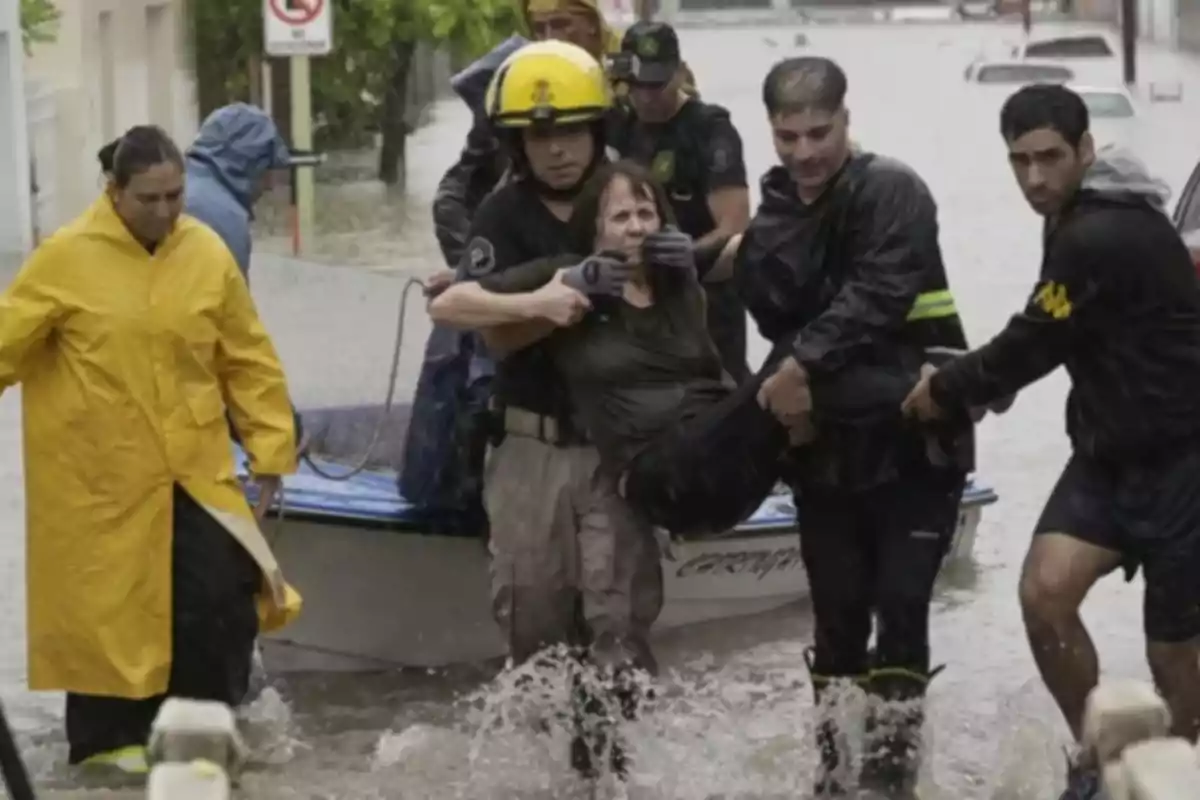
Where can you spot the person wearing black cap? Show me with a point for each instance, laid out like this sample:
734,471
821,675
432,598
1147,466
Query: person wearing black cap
693,148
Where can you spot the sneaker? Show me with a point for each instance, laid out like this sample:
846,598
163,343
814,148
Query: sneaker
1083,783
131,760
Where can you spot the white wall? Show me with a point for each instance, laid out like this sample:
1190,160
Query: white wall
1157,21
115,64
16,227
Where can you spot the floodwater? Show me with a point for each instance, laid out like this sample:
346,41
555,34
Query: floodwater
734,719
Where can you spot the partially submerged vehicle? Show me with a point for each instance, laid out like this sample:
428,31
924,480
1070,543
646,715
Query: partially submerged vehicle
1010,72
387,584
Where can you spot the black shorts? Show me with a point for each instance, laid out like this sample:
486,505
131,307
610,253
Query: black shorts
1149,512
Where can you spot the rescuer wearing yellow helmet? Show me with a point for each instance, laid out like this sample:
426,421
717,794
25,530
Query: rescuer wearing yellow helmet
551,92
563,541
481,164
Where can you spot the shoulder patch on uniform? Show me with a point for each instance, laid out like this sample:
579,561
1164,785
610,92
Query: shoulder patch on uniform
663,166
720,157
479,259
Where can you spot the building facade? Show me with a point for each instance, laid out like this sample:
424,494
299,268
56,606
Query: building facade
1188,22
114,64
16,223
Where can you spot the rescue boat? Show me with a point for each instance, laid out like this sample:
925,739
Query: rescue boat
385,586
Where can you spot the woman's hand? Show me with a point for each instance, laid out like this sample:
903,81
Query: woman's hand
670,248
602,274
268,489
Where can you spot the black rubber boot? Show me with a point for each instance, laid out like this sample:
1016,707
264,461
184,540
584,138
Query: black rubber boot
597,730
894,746
834,774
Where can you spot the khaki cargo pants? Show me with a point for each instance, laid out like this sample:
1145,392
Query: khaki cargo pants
563,541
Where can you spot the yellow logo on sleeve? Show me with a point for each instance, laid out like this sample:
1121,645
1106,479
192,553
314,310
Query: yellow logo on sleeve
1052,299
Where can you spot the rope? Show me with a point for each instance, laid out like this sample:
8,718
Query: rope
389,401
389,398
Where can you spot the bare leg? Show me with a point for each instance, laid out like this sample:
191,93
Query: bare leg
1059,571
1176,669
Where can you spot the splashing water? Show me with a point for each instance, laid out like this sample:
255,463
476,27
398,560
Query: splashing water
736,731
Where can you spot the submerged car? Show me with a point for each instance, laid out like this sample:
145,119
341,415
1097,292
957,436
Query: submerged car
1105,102
1017,73
1088,55
1077,46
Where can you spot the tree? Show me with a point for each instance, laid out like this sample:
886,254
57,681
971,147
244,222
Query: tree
386,34
39,23
362,86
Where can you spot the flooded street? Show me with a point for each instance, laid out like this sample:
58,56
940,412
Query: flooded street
734,721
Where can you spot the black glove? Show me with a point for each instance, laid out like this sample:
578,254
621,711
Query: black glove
670,248
600,274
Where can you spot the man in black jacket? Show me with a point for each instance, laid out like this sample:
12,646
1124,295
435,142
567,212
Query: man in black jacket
841,268
1117,303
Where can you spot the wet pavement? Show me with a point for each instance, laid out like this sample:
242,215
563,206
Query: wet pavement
733,722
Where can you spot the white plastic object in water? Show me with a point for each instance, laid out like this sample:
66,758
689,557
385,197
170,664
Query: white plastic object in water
185,730
195,751
196,780
1161,769
1120,713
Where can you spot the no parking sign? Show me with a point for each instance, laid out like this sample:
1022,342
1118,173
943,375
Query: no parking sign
298,27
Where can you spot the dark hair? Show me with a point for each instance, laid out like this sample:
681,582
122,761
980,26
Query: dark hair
806,82
105,156
1044,105
584,224
141,147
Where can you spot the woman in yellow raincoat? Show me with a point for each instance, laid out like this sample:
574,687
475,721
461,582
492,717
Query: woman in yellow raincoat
132,331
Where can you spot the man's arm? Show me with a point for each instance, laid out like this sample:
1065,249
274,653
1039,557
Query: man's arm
528,276
1036,340
501,340
728,192
462,189
894,220
507,322
469,305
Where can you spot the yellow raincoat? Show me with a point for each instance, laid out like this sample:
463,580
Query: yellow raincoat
128,362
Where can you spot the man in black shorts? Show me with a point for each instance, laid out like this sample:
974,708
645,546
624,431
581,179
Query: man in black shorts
1118,304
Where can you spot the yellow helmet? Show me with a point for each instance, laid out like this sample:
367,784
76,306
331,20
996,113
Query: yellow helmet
550,82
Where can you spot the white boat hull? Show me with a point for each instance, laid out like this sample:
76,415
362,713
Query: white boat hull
377,598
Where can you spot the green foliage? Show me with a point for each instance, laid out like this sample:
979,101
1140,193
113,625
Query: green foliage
375,38
39,22
372,39
226,33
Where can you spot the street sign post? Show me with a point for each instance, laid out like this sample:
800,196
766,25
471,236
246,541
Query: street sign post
299,29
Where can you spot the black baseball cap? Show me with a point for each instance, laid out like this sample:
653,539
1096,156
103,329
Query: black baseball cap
649,54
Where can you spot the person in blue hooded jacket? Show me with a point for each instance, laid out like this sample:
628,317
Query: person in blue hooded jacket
227,169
